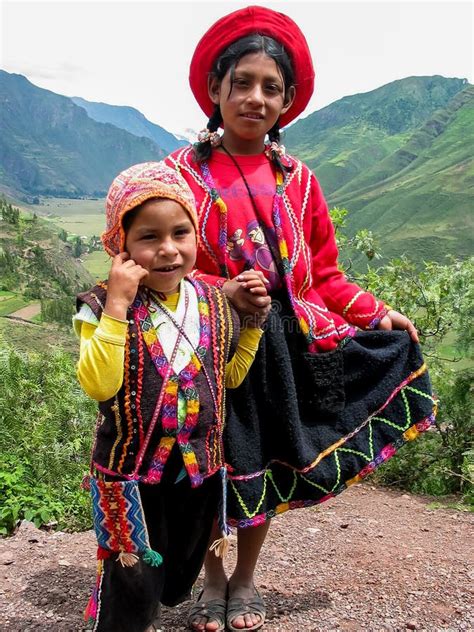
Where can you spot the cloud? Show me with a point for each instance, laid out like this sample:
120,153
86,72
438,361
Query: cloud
64,71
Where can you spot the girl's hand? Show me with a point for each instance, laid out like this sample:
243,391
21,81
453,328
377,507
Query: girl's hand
248,294
395,320
258,319
124,278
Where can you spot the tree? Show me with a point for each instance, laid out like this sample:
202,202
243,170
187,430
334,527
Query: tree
77,247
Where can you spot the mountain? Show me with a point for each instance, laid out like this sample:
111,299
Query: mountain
188,136
400,159
50,146
345,138
132,121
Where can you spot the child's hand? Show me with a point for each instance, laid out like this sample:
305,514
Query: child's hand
257,319
247,293
124,278
395,320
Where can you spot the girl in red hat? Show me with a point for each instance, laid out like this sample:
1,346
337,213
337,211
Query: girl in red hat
338,383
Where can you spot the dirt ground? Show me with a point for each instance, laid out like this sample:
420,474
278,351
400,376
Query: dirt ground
28,312
368,560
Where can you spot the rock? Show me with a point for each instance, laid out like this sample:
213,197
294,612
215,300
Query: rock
6,558
411,625
64,563
28,530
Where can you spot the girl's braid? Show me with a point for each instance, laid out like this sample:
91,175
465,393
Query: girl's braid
275,156
203,148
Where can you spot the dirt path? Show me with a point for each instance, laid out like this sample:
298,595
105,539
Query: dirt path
28,312
369,560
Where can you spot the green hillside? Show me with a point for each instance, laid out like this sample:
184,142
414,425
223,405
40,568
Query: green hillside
419,199
50,146
400,159
346,138
35,264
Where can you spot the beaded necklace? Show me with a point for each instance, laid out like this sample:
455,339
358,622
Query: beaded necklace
184,380
277,222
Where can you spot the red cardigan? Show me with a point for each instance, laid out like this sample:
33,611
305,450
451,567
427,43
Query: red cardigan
324,302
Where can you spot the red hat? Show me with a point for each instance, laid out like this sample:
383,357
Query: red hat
239,24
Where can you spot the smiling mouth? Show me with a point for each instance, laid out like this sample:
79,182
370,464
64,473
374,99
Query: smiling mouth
249,115
167,268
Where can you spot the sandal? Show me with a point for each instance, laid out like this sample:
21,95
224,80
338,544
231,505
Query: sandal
212,609
238,607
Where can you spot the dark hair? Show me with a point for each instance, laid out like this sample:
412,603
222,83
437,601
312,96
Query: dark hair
129,217
228,60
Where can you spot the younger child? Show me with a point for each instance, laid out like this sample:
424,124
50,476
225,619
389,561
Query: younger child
157,351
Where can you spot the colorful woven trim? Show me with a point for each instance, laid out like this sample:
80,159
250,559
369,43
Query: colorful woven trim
184,382
118,516
221,208
409,432
92,610
119,522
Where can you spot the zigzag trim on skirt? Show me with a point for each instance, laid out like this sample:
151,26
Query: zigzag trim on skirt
409,432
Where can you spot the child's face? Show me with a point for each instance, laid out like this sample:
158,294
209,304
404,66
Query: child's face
251,105
162,239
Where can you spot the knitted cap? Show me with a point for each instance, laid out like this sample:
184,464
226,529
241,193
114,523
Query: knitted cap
239,24
134,186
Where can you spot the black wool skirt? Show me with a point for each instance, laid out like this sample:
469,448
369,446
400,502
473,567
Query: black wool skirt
302,427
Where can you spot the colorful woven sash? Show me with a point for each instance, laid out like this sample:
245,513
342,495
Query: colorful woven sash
119,520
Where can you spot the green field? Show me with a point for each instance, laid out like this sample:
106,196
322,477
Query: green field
5,295
25,337
77,217
10,302
98,264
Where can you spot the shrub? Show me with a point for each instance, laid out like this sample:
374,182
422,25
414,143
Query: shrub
46,425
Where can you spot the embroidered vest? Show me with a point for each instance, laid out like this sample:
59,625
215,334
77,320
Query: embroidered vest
124,419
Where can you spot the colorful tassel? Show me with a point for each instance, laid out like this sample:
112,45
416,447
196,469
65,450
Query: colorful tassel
220,546
152,558
127,559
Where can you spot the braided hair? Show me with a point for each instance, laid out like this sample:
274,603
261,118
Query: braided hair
228,60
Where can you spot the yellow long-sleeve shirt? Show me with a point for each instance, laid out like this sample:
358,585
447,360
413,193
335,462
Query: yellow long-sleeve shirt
101,362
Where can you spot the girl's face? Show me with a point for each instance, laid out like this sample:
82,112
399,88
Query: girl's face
162,239
252,103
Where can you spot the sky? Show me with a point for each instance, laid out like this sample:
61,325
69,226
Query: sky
138,53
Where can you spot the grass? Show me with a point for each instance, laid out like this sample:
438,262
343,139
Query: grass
78,224
98,264
76,216
25,337
448,350
10,304
458,505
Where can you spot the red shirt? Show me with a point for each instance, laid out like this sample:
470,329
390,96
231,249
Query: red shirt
247,242
324,301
